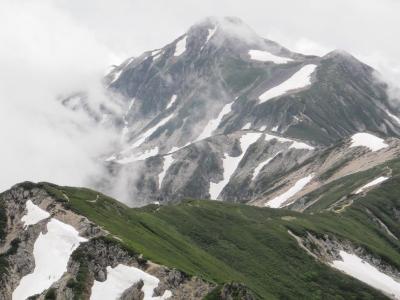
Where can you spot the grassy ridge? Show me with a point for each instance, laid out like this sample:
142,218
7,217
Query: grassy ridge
224,242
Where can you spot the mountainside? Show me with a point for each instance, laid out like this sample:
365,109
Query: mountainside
197,248
203,112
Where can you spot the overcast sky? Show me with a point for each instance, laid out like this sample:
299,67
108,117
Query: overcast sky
53,47
369,29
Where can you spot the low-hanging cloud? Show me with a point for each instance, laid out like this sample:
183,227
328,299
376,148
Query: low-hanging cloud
44,55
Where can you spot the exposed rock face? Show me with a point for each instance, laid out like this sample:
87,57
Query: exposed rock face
326,248
232,291
87,263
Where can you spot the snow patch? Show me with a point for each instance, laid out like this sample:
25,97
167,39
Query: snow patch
51,252
168,161
397,119
150,131
212,125
354,266
131,104
123,277
115,75
156,54
171,101
34,214
211,33
298,186
372,183
141,156
262,128
180,46
262,165
247,126
294,144
300,79
266,56
275,128
368,140
230,163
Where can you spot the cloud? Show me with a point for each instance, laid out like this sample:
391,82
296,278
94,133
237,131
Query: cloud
45,54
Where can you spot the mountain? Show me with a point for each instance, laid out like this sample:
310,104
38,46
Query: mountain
201,114
301,151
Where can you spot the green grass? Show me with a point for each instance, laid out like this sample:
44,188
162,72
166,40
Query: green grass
223,242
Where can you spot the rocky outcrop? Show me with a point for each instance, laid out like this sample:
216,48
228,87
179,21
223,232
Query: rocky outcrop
326,248
233,291
87,263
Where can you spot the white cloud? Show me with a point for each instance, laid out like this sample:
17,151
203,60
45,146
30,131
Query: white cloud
45,54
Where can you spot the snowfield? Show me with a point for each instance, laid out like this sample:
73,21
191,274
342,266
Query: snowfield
261,55
34,214
230,163
354,266
278,202
123,277
262,165
168,161
171,101
372,183
212,125
51,252
300,79
180,47
368,140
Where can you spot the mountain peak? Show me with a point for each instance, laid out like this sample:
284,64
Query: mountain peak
228,27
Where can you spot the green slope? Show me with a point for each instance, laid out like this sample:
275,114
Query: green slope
224,242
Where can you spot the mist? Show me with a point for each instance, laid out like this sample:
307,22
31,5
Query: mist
44,56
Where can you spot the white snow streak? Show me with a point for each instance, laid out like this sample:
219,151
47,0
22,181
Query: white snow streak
171,101
266,56
123,277
365,272
397,119
211,32
51,252
298,186
372,183
141,156
131,104
168,161
367,140
230,163
34,214
180,46
247,126
150,131
262,165
213,124
300,79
